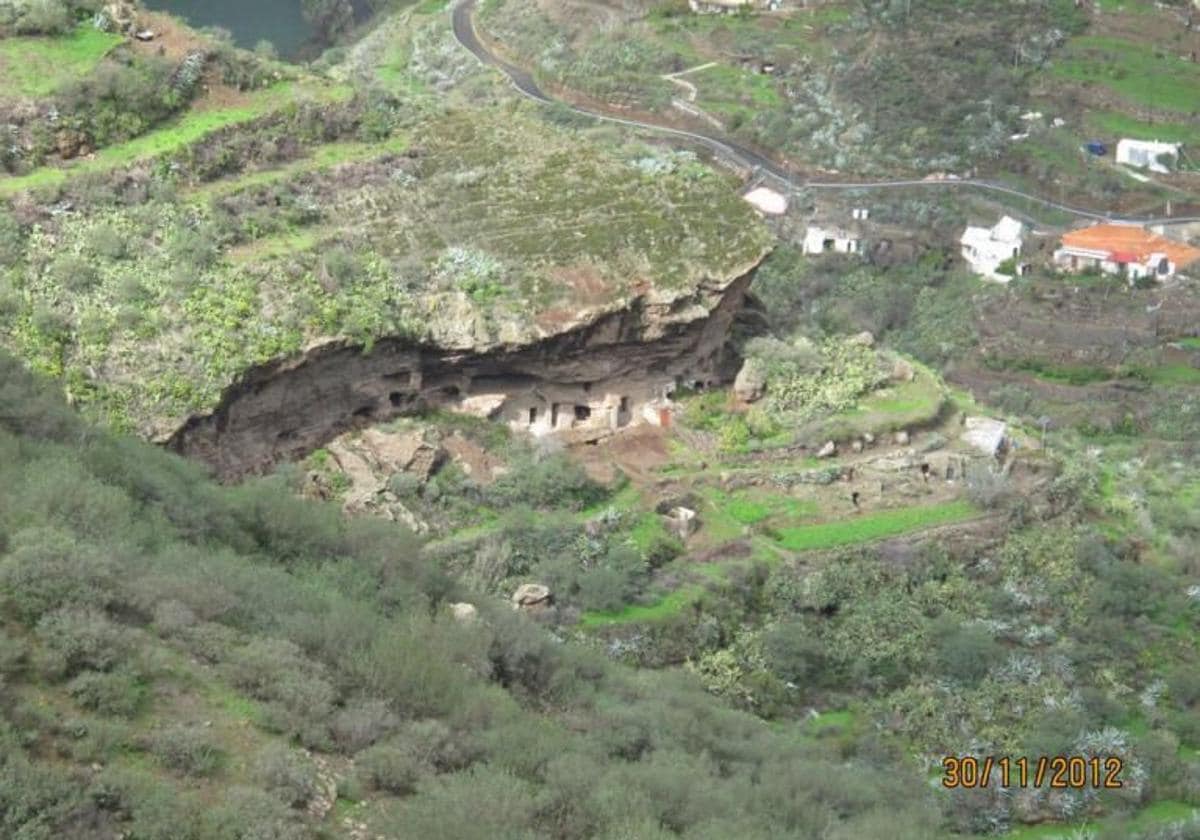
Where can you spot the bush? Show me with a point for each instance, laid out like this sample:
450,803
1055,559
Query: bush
247,814
188,750
360,725
390,768
964,652
47,569
289,774
79,638
120,693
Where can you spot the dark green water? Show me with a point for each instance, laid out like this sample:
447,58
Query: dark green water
250,21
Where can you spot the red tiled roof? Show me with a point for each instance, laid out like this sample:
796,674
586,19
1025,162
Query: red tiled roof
1128,243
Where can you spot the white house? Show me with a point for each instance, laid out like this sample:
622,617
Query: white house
717,7
985,249
1146,154
820,240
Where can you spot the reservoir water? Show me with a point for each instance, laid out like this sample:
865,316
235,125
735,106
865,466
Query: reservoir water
250,21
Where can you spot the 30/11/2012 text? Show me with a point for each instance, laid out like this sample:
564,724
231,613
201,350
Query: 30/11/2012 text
1058,771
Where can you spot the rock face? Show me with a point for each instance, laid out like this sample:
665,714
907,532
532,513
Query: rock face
532,596
286,409
751,381
902,371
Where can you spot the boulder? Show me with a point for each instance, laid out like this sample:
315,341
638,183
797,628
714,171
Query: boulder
901,438
531,596
868,439
903,371
403,452
463,612
751,381
828,450
682,522
866,338
857,446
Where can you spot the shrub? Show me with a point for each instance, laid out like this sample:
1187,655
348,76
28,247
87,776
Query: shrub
47,569
244,813
79,638
360,725
289,774
964,652
188,750
120,693
390,768
108,242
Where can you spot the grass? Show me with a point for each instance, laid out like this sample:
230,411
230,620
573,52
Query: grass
1172,375
1133,71
862,529
1164,811
908,404
323,157
749,508
1115,125
1192,343
729,90
669,605
174,135
840,719
35,66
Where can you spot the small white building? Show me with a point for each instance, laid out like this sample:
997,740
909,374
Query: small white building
718,7
1148,154
985,249
822,240
985,434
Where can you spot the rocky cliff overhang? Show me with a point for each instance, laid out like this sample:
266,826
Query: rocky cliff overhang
285,409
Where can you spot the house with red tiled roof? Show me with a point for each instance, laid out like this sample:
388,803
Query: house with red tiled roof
1124,249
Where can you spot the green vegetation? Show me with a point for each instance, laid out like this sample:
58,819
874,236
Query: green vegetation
123,569
478,233
40,65
873,526
1153,78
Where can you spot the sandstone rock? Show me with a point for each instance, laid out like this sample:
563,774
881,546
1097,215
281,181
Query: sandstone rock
71,143
751,381
865,338
402,451
463,612
903,371
682,522
828,450
532,596
901,438
481,405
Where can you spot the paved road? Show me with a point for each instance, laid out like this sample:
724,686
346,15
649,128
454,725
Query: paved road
523,81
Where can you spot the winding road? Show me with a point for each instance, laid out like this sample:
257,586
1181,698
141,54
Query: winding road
464,31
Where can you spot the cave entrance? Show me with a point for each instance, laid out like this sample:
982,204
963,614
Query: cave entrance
554,415
532,415
582,412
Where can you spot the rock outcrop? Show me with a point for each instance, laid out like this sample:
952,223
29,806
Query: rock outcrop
286,409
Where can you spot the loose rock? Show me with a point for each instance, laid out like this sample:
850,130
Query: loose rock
463,612
531,596
751,381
